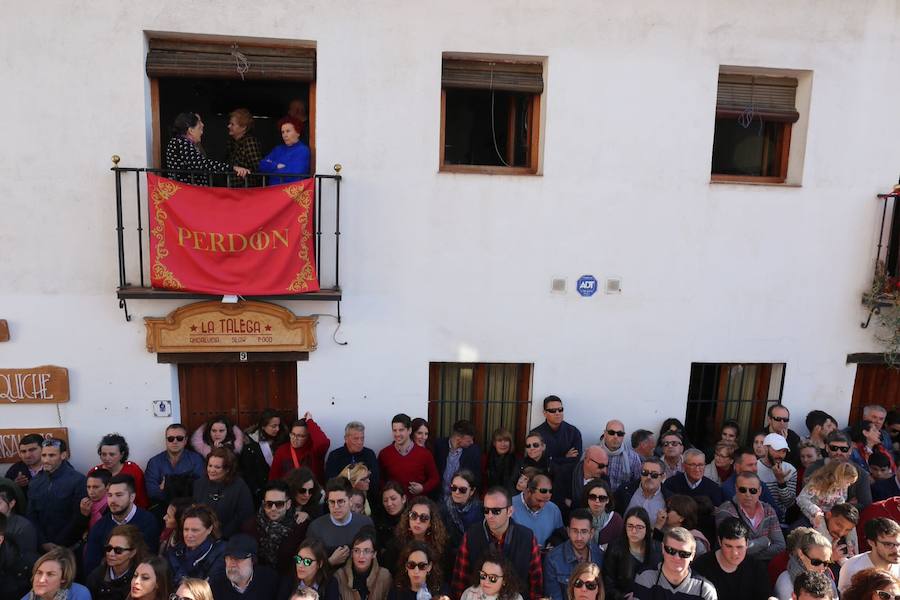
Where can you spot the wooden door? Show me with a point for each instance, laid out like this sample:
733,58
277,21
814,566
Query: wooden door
240,391
875,384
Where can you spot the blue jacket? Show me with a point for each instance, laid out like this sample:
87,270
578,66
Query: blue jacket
884,489
159,468
207,561
294,158
53,499
143,520
560,441
559,564
76,592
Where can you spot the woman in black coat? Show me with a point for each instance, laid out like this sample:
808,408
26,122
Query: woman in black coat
224,492
620,566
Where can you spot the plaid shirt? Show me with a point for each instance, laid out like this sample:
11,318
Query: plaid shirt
623,467
462,568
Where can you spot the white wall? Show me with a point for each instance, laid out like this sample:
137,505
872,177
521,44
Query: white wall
441,267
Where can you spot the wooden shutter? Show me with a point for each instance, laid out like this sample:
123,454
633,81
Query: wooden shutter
772,98
172,58
486,75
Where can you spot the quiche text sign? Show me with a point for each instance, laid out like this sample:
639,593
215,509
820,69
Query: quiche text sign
37,385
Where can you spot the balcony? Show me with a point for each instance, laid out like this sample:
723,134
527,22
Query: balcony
133,236
885,290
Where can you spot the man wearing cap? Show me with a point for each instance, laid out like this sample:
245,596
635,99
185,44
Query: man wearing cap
779,477
779,417
243,578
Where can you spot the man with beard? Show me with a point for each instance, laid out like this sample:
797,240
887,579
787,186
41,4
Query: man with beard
120,496
534,510
275,528
779,477
562,560
884,539
243,579
54,494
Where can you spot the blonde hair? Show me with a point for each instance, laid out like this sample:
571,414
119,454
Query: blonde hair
198,588
831,477
243,117
354,473
66,561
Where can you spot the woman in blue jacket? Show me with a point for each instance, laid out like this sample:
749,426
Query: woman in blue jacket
290,157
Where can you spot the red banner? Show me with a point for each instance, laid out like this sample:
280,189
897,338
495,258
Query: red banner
248,241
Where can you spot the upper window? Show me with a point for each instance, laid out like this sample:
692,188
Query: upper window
490,114
754,118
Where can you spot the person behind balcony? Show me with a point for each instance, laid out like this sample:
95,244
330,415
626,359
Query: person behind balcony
297,110
261,440
242,147
223,491
307,447
218,432
291,157
184,152
113,452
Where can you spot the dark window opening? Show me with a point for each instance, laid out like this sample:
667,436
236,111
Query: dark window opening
753,151
488,128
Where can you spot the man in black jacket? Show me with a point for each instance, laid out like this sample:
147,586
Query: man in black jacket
15,566
243,578
459,451
729,570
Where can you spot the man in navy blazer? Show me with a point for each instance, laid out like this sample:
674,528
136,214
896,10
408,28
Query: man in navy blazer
459,451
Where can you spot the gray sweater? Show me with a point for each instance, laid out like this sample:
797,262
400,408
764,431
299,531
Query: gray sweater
334,536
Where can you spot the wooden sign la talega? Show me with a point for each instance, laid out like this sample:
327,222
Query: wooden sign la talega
9,440
244,326
38,385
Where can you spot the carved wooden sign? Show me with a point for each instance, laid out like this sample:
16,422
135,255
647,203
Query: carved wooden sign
247,326
37,385
9,440
4,331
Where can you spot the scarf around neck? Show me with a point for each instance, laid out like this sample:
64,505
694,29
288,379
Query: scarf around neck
271,534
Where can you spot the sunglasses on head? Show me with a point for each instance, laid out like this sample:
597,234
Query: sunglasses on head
883,595
651,474
275,503
51,444
116,549
580,583
174,438
615,433
833,448
745,490
598,497
488,577
422,517
494,511
781,419
459,489
304,561
412,565
554,411
680,553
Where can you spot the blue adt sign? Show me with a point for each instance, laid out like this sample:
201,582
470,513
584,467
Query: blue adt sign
587,285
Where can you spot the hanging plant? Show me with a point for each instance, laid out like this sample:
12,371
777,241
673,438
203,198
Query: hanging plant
883,301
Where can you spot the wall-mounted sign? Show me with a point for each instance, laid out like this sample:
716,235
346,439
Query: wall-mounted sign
9,440
4,330
37,385
248,326
587,285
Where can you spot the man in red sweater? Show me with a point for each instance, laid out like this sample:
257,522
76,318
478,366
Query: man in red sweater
408,464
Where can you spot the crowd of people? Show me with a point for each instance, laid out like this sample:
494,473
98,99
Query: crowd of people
274,511
187,161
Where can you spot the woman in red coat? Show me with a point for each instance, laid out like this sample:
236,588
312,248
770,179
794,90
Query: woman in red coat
307,448
113,451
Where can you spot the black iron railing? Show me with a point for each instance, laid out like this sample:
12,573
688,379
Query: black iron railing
131,209
889,235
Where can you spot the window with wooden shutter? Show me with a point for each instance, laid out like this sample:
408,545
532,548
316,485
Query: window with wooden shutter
490,115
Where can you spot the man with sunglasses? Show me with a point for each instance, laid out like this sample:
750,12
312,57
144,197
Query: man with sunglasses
624,463
562,560
645,492
275,529
838,447
563,439
569,481
766,537
54,494
516,542
337,528
728,568
778,475
176,461
533,509
779,417
673,579
244,578
745,461
884,539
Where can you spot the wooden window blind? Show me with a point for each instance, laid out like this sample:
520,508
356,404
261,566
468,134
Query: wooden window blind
496,75
771,98
173,58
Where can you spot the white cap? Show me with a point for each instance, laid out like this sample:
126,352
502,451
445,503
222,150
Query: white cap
776,441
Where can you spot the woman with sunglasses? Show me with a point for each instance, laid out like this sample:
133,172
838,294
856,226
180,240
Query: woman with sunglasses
872,584
421,523
311,571
462,507
306,494
810,551
628,555
598,499
199,553
361,577
585,583
151,580
124,549
418,576
535,457
493,579
500,461
393,505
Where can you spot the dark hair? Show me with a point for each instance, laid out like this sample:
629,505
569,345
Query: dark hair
837,436
57,443
817,418
125,479
338,484
206,515
581,514
366,533
774,406
264,418
864,583
600,483
434,579
877,459
185,121
296,479
639,512
675,434
135,541
881,526
318,550
394,487
298,423
229,430
228,462
741,452
466,474
181,505
464,428
639,437
550,399
846,510
731,424
176,426
2,524
665,428
114,439
278,485
103,475
532,480
817,585
31,438
403,419
856,433
499,489
298,126
436,535
892,418
510,587
686,507
160,568
733,529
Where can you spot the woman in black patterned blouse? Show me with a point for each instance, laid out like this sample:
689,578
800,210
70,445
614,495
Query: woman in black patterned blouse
243,148
185,153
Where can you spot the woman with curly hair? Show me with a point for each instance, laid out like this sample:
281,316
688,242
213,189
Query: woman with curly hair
418,577
872,584
585,583
113,452
493,579
422,523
